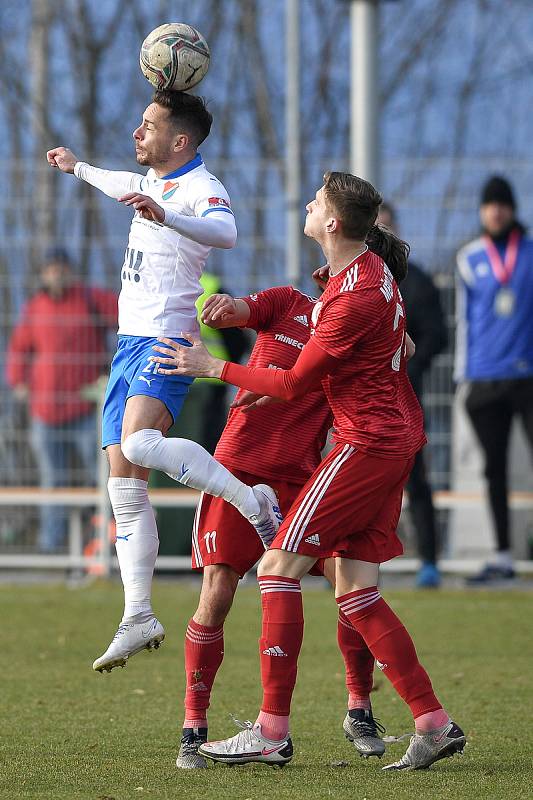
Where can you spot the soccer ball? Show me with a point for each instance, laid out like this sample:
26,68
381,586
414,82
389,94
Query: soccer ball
174,56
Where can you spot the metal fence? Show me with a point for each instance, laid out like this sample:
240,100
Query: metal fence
436,203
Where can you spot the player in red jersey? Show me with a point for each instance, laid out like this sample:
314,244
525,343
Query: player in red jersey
281,444
357,352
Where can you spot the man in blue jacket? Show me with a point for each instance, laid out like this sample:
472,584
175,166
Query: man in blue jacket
494,349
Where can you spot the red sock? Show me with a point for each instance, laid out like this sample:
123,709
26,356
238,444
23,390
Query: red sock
359,663
392,647
280,642
204,651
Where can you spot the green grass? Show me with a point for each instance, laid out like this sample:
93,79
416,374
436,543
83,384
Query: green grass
67,732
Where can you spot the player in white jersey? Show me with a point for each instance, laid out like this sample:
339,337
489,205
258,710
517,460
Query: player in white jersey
181,212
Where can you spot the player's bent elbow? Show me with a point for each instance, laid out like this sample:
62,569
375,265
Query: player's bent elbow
229,241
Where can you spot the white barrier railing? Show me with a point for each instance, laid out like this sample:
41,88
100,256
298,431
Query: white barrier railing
78,499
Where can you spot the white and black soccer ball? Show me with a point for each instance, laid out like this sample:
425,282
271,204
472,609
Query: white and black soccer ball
174,56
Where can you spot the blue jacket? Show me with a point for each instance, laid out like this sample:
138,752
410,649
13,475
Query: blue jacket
492,346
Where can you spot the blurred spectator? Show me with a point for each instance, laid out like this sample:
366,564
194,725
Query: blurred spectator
57,349
229,344
427,327
494,352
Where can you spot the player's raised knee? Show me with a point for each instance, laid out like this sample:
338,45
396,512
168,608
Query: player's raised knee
138,446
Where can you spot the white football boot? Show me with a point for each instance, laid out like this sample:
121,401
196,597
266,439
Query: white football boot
247,747
130,638
426,748
267,522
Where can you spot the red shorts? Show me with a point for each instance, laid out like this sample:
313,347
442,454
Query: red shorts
349,507
221,535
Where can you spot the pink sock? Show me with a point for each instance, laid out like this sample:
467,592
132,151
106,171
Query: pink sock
431,721
272,726
195,723
356,701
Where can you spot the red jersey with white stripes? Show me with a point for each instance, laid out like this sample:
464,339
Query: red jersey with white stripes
283,440
360,320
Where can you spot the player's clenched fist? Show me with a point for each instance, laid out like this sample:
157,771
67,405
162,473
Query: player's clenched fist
62,158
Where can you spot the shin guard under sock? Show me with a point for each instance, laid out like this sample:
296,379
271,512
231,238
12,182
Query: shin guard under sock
391,646
281,640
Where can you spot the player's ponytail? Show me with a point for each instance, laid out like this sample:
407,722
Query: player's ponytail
356,203
390,248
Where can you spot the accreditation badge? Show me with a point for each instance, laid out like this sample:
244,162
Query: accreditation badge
504,302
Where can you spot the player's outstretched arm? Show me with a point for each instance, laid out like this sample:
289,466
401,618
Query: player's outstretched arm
311,366
112,183
224,311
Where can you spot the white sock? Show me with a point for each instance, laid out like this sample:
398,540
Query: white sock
502,558
137,542
190,464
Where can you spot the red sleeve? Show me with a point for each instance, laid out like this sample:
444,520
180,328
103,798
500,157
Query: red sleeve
344,321
18,351
107,304
312,365
268,306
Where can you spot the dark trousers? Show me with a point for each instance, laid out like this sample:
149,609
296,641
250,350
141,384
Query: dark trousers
491,406
215,412
422,510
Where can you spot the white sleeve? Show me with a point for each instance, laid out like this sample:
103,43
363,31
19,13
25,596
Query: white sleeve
212,223
216,230
464,267
114,184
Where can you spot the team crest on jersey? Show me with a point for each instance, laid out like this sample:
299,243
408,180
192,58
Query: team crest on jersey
169,188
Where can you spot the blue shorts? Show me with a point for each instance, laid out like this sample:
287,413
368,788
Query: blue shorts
133,373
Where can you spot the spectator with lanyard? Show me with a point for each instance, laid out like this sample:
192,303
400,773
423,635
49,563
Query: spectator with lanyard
494,350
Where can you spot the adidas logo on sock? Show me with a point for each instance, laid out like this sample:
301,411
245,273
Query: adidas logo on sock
274,651
198,687
314,539
302,319
380,665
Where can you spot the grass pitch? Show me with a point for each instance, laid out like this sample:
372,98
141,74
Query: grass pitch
67,732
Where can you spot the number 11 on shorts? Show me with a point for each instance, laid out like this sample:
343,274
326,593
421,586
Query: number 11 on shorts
210,541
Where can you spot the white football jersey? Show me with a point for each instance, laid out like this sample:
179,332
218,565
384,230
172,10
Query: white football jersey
162,268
